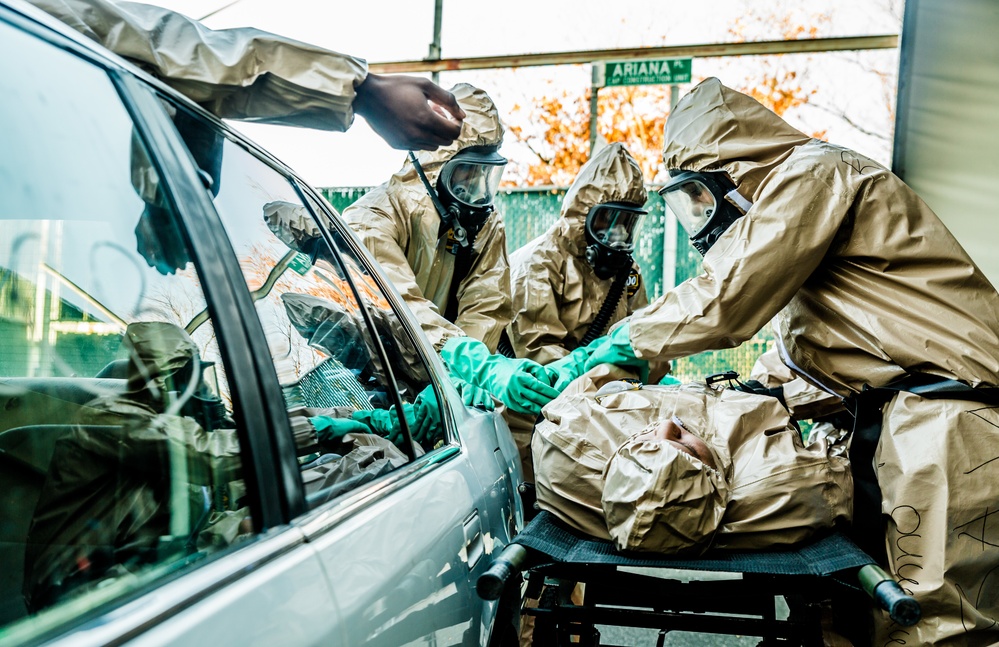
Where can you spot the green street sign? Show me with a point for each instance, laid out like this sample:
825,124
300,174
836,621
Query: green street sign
301,263
655,72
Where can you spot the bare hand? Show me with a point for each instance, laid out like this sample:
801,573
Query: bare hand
408,112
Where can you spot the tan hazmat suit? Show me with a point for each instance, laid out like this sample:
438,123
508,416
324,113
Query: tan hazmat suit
867,285
803,399
397,222
601,471
240,73
105,506
556,294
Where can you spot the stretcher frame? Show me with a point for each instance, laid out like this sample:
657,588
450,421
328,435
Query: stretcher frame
554,557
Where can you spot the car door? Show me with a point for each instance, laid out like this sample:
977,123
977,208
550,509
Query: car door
400,532
141,499
434,530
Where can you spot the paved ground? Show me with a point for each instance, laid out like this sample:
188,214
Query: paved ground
631,637
642,637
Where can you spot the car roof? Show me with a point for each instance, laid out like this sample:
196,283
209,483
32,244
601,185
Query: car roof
109,59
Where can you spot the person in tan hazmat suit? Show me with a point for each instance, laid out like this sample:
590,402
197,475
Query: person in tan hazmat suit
435,232
253,75
105,505
581,267
869,289
680,468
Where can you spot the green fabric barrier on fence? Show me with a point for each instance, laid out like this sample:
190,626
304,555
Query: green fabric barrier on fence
528,213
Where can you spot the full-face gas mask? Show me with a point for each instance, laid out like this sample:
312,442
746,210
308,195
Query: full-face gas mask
706,204
465,189
610,234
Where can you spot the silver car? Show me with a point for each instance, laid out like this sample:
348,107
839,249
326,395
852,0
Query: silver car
218,422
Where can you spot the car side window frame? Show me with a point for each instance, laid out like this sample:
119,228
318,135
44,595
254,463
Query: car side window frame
199,228
202,230
296,501
330,223
330,218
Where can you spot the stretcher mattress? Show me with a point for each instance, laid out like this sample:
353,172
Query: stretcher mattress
824,556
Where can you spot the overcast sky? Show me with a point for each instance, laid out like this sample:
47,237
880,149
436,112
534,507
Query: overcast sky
391,30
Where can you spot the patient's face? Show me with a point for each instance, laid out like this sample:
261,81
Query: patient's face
673,432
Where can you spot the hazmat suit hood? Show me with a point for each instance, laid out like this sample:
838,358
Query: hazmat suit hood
106,504
556,292
612,175
328,326
714,128
156,352
658,498
292,224
481,127
399,225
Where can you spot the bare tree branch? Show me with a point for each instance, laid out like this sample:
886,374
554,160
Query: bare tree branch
836,112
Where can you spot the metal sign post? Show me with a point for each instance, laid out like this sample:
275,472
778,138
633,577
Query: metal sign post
597,83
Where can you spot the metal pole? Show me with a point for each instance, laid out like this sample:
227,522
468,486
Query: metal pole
594,93
597,75
435,45
808,45
669,219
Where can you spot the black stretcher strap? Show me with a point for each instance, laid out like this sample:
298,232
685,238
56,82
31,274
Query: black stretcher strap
548,535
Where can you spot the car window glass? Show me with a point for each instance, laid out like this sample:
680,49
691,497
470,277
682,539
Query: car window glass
410,371
119,457
339,395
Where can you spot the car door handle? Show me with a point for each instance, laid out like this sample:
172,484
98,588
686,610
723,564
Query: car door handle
472,527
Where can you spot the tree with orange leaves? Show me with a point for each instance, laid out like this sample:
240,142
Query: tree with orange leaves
557,128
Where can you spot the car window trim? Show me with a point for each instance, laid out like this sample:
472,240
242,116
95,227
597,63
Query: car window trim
327,516
368,321
287,454
335,222
227,305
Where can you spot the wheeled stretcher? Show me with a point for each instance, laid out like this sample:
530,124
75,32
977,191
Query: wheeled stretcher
555,557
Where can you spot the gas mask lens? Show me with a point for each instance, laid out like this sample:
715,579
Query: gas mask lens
691,201
473,183
614,226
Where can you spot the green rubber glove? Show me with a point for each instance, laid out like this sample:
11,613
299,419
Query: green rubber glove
522,385
615,348
570,367
383,422
669,380
425,419
473,396
331,431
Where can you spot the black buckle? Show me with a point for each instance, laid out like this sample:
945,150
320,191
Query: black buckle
731,376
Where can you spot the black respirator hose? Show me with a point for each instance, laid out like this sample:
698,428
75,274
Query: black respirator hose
505,346
448,218
599,323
